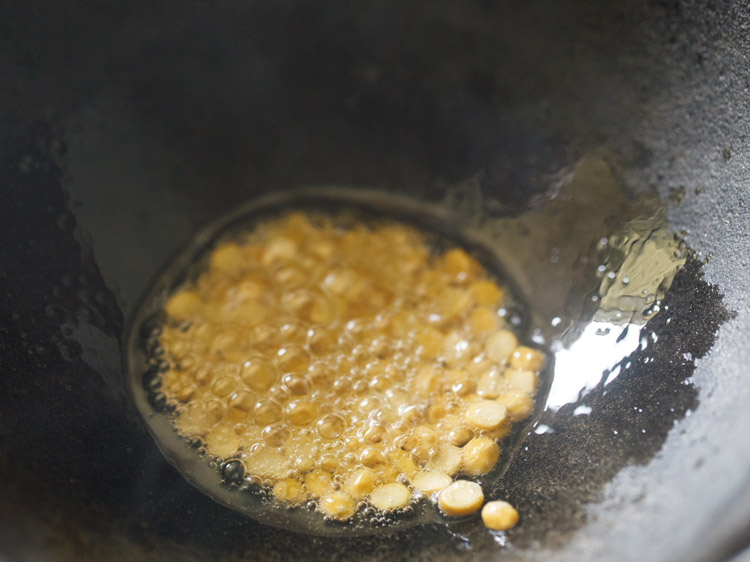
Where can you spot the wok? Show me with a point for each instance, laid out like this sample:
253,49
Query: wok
124,127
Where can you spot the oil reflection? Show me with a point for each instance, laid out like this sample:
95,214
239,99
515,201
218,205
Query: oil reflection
589,360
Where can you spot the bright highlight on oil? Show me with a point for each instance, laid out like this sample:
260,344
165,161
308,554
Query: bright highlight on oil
349,364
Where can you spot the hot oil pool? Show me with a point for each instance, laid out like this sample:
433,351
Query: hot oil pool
586,274
339,362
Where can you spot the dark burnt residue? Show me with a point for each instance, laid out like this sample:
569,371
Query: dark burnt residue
556,473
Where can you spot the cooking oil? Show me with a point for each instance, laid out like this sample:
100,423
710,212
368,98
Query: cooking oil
586,271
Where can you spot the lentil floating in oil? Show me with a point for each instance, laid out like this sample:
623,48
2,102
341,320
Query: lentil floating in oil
347,365
499,515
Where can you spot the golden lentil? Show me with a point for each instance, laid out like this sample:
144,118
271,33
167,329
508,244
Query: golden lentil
499,515
461,498
337,363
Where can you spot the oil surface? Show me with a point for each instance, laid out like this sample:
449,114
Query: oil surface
594,266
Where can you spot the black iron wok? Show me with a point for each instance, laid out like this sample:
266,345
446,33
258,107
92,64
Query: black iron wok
126,126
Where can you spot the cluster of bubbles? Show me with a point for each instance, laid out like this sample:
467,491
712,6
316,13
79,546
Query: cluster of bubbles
323,360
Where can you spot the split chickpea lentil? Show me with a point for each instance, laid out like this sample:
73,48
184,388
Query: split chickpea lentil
348,364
